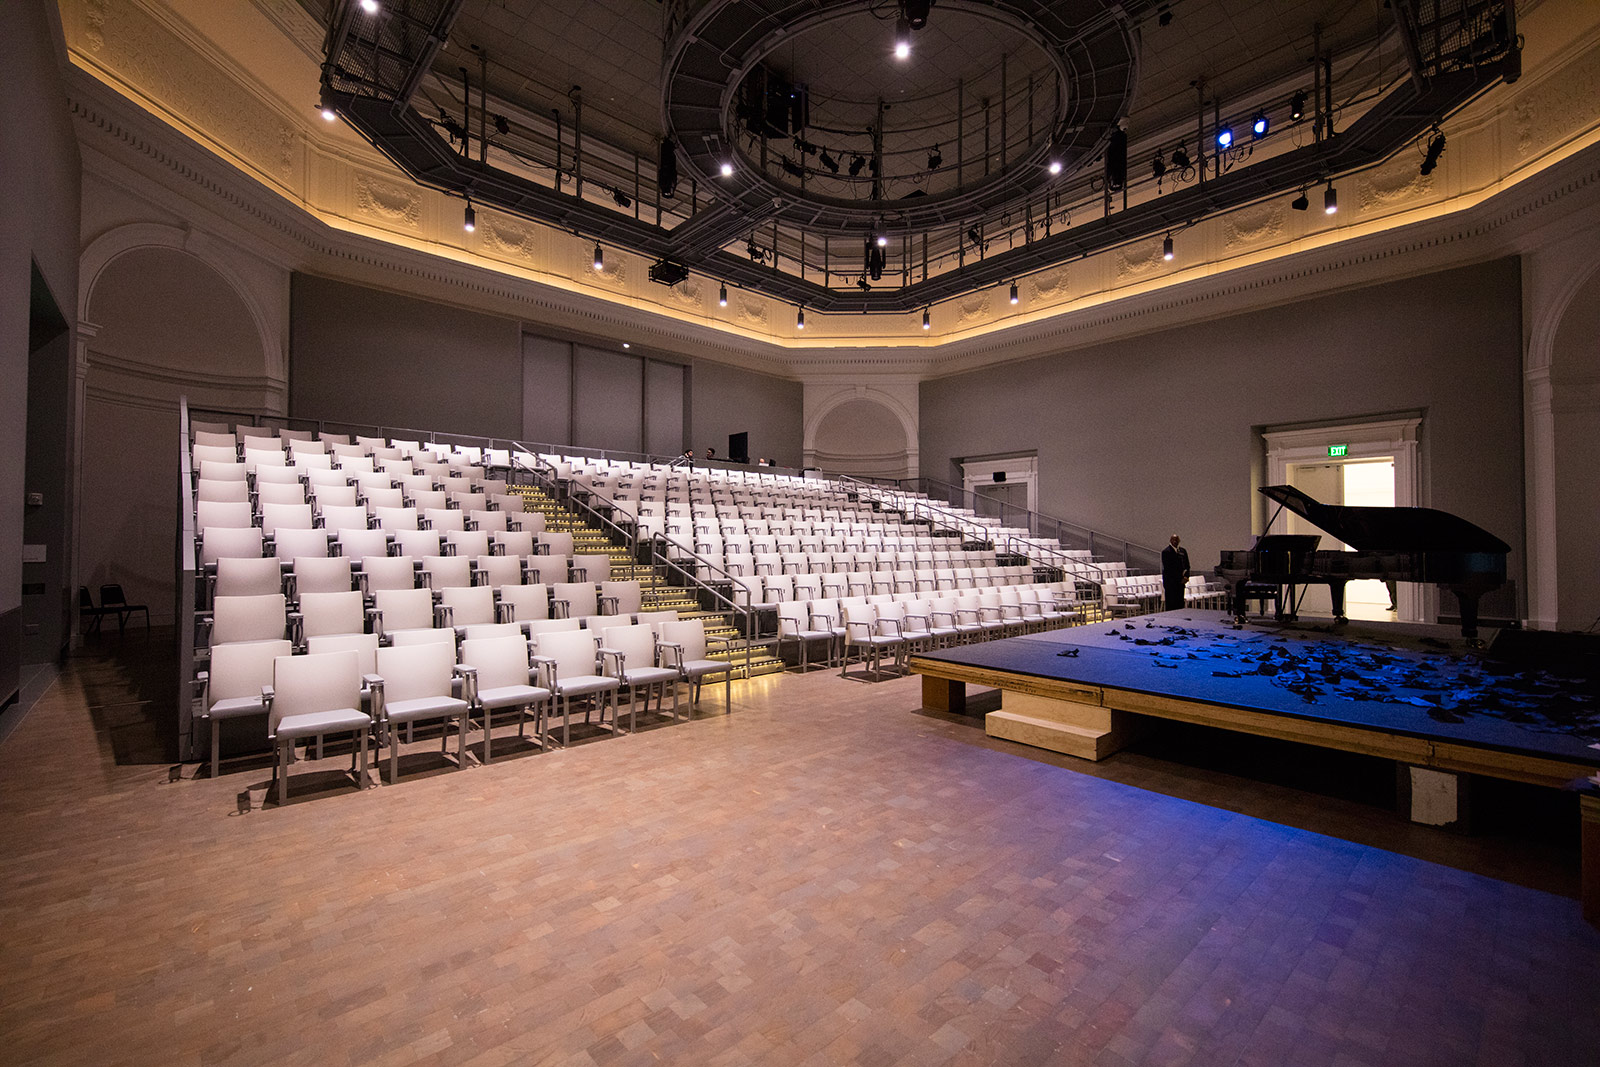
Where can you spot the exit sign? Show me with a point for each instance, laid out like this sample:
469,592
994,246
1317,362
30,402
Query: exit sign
1335,451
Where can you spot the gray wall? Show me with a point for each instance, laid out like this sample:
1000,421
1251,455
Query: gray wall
40,175
367,356
1142,437
725,400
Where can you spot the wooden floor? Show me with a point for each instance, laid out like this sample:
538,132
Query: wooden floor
826,876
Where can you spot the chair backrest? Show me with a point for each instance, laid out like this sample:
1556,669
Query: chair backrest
579,598
688,633
416,671
552,626
497,571
445,519
547,569
636,643
654,619
330,681
280,493
422,494
445,572
573,651
292,544
218,543
513,542
241,669
469,604
793,617
275,475
358,544
488,521
494,629
592,568
365,646
317,478
332,613
394,519
276,517
332,496
388,572
247,618
468,543
214,453
499,661
344,517
324,574
217,514
222,491
418,543
247,576
527,602
532,521
560,542
213,470
404,609
630,596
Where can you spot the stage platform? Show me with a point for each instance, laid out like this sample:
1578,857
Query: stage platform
1525,708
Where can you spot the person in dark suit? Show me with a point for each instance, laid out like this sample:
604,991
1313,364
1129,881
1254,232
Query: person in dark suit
1174,572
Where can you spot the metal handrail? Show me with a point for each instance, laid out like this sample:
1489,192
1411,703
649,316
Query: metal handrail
184,610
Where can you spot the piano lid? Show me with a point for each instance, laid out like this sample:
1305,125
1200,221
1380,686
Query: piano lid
1368,529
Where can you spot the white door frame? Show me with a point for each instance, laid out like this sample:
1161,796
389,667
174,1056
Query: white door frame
976,473
1378,439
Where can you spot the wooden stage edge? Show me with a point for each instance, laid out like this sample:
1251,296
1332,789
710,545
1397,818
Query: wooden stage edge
944,689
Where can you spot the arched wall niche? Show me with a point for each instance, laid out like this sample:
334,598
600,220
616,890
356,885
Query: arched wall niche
1574,405
163,314
866,430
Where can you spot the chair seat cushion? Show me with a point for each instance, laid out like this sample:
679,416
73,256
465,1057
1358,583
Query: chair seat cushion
507,696
313,723
227,709
696,667
423,708
649,675
579,684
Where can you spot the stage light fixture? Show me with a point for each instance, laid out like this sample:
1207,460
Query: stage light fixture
1158,166
502,126
1260,125
329,114
727,169
469,219
753,250
1297,106
926,324
621,198
1330,200
1225,138
1180,158
935,159
916,12
856,164
599,257
1435,150
722,295
828,161
1055,166
1166,249
902,38
800,318
370,6
1013,292
879,237
1301,202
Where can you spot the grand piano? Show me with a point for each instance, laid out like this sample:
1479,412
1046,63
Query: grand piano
1391,544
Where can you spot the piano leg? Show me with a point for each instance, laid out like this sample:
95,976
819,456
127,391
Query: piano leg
1468,601
1336,595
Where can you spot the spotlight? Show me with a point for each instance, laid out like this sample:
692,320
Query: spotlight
501,125
1166,249
926,324
879,237
1297,106
469,220
863,285
856,164
975,237
1158,167
916,12
1301,202
902,38
621,198
828,161
1260,125
329,114
800,319
754,251
1055,166
722,295
1330,200
1435,150
935,160
1013,292
1225,138
599,257
370,6
876,261
1165,18
1180,158
727,169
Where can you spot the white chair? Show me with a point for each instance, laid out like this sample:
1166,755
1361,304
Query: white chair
324,574
863,633
279,493
387,572
290,545
365,646
218,543
232,686
513,543
496,572
463,606
418,543
275,517
795,624
310,697
630,654
556,543
395,519
218,514
248,618
358,544
402,609
591,568
525,603
683,645
353,517
546,570
496,675
570,662
444,572
330,613
332,496
468,543
415,685
444,519
575,600
221,492
625,598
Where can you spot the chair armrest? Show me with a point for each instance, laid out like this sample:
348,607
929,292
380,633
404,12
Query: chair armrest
504,612
297,629
563,608
670,651
813,616
549,675
470,524
477,573
974,612
202,628
616,602
374,684
851,624
580,574
424,523
924,618
469,682
898,630
427,576
202,684
443,616
361,584
268,695
612,654
540,548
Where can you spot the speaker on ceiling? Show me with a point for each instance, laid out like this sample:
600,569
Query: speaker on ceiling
999,476
667,167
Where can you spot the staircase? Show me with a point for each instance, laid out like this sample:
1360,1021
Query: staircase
723,639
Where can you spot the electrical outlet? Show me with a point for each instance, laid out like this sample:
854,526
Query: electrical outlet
36,500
